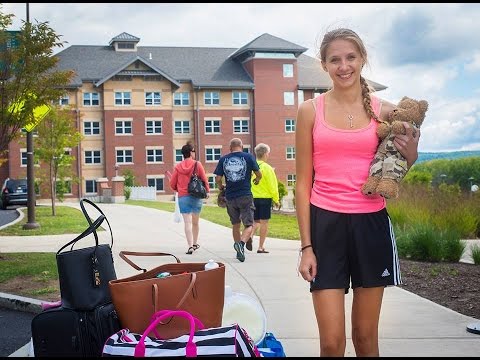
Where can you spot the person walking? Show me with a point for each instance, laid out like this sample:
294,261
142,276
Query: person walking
237,168
264,195
190,207
346,237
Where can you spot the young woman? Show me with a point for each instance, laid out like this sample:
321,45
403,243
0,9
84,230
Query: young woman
346,237
190,206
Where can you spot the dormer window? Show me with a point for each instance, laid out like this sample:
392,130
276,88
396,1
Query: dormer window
125,42
126,45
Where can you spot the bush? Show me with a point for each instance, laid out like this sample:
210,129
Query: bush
127,191
475,251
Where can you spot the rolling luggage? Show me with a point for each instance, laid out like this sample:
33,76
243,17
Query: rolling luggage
61,332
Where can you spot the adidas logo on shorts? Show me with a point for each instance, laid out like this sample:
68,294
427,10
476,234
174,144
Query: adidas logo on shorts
385,273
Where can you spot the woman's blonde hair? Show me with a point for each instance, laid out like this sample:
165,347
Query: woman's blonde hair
352,36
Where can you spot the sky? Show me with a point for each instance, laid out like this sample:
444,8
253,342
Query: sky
423,51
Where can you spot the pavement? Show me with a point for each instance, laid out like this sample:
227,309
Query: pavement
410,325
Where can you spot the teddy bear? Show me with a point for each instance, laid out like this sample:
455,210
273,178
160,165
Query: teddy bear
389,167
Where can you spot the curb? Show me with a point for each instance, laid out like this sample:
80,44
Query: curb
20,303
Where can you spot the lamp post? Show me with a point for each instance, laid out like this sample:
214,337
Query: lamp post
471,178
443,177
30,224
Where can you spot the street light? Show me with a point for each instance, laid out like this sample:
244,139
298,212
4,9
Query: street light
471,178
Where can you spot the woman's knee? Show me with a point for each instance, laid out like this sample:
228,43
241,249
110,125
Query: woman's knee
365,341
332,345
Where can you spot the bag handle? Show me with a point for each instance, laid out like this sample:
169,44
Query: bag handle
194,173
156,293
199,325
190,347
85,213
137,253
86,232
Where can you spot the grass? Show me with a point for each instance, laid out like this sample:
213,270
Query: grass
68,220
41,265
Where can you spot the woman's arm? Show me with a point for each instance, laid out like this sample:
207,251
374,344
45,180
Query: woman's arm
303,186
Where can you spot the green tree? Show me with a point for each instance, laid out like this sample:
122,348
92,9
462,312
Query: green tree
57,133
282,191
28,75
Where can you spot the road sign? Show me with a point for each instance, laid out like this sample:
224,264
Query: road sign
38,113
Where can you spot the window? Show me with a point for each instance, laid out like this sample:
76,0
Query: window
290,153
178,155
212,154
211,182
181,99
90,186
23,160
153,127
240,98
288,98
246,148
154,155
122,98
91,99
156,182
123,127
240,126
211,98
126,45
287,70
91,128
93,157
291,179
182,126
289,125
124,156
212,126
300,97
63,100
316,93
153,98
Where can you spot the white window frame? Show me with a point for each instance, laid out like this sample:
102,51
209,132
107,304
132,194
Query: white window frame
91,127
93,156
177,154
211,98
183,98
123,97
157,152
239,125
290,153
23,157
64,100
287,70
239,98
288,98
213,153
124,151
212,124
121,125
291,180
154,127
290,125
157,178
211,181
300,96
153,98
182,127
94,184
91,99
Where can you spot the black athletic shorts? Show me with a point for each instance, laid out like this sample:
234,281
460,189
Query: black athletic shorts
356,249
263,209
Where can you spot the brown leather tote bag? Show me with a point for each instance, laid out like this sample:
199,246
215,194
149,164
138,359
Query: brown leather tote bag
189,287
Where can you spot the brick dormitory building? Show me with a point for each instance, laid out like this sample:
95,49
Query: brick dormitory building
136,106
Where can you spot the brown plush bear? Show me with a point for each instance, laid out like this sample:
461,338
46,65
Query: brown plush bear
389,167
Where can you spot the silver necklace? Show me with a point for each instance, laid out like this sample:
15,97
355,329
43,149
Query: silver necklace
350,118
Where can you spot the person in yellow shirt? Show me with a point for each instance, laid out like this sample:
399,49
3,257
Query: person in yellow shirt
265,193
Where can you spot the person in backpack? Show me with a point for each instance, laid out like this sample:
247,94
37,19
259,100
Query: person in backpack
190,207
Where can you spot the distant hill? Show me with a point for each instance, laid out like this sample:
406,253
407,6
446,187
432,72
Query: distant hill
449,155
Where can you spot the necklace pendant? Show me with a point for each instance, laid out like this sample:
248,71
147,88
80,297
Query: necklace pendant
350,118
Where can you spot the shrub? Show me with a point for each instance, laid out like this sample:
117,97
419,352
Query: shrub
475,252
423,243
127,192
453,247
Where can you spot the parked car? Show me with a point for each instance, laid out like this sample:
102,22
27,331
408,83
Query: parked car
14,192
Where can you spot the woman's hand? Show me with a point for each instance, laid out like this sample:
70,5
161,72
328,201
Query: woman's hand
407,144
308,265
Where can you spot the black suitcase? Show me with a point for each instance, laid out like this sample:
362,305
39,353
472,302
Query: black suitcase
71,333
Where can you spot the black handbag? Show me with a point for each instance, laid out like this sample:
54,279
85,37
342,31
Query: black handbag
196,187
84,273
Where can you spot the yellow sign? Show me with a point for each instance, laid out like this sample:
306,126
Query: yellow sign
38,113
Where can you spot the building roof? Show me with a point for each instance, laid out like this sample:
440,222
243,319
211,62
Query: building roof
124,37
204,67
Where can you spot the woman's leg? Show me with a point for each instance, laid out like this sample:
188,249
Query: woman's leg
187,224
366,306
329,305
263,233
195,227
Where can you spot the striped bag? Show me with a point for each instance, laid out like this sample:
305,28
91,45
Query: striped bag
231,340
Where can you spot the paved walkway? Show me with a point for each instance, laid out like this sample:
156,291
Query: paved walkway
409,326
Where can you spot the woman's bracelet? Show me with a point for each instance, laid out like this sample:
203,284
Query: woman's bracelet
305,247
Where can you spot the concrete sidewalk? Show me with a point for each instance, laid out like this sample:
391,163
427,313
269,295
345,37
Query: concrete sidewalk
409,325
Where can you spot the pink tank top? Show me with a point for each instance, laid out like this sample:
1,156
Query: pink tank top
341,162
